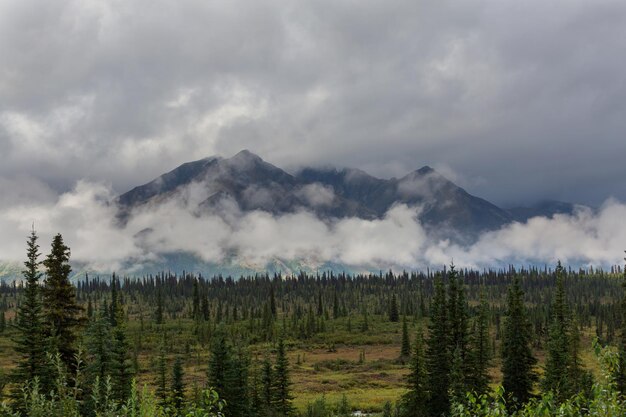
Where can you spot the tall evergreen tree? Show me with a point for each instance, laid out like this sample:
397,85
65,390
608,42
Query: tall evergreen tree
61,309
320,305
335,306
272,301
158,314
394,316
114,306
438,356
195,312
178,385
457,316
256,403
89,308
29,325
480,352
219,363
161,368
457,377
99,348
267,382
518,362
405,346
121,361
555,375
563,371
415,401
237,376
281,401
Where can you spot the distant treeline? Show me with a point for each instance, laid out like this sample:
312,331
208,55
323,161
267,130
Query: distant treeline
79,348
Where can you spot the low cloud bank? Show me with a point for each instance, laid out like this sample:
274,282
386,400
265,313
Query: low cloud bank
88,222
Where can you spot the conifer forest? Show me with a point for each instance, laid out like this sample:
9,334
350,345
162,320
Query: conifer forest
455,342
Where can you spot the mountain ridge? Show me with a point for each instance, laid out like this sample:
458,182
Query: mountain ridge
244,184
255,184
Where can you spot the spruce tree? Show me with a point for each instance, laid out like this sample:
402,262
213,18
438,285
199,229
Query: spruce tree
457,319
393,310
415,401
178,385
438,356
555,377
238,403
89,308
457,378
228,375
219,364
320,305
335,306
405,346
114,306
219,361
205,307
195,312
480,352
158,314
281,401
272,301
161,369
518,362
564,374
267,382
121,364
256,404
61,309
29,326
99,348
581,380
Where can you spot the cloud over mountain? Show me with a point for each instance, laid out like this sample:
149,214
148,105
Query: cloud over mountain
177,220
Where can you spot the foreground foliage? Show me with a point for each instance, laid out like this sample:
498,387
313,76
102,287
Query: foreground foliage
67,399
603,400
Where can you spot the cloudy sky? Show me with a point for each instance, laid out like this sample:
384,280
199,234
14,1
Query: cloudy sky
517,101
522,100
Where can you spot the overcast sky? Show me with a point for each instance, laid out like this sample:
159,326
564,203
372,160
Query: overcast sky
516,100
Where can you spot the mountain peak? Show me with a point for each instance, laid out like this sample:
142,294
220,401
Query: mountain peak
425,170
245,155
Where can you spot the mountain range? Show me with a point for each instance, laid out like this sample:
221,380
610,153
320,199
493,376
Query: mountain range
245,183
445,209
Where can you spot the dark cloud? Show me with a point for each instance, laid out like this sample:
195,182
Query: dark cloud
522,100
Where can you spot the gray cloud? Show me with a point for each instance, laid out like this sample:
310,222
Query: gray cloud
523,100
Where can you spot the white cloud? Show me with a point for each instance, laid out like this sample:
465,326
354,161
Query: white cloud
88,224
317,195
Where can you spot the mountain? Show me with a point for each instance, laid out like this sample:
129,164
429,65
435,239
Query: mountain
246,179
546,208
245,183
253,184
447,209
